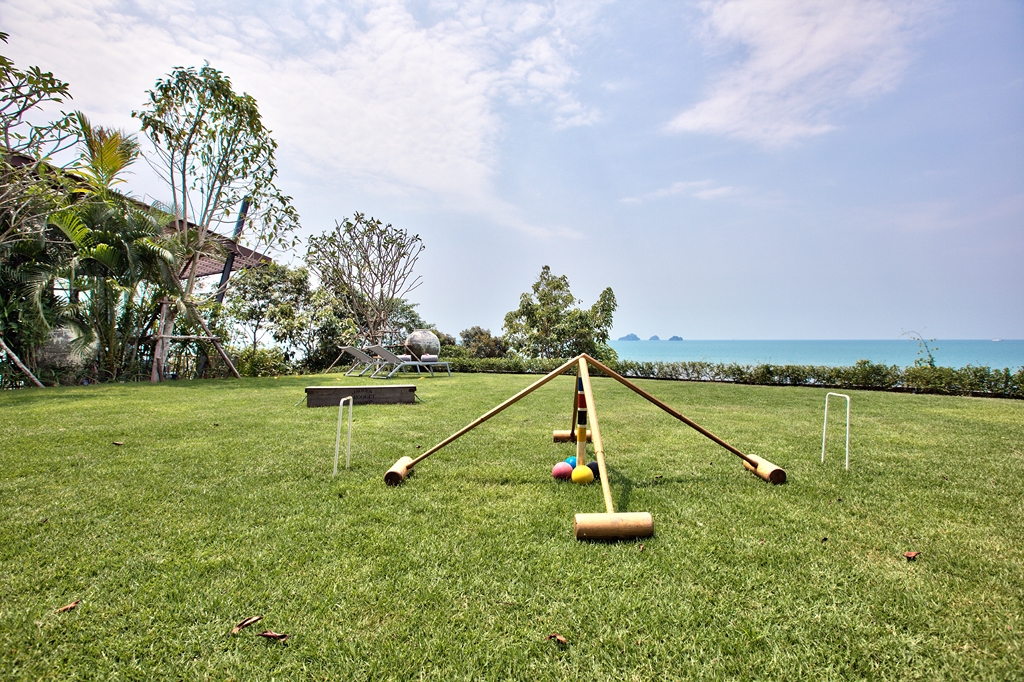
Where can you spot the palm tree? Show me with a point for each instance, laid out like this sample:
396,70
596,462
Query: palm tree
122,262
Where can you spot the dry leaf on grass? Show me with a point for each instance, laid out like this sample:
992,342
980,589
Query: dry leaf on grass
118,442
270,634
68,607
641,546
911,556
557,637
245,623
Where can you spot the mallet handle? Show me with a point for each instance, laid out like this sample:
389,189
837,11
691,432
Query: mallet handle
595,430
678,415
514,399
575,408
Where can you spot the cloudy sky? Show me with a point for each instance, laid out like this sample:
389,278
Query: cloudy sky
732,169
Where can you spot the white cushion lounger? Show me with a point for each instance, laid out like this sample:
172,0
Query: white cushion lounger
390,358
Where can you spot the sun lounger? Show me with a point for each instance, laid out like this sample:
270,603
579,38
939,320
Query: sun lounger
389,358
363,360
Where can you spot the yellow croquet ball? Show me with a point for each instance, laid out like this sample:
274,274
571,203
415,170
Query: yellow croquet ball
582,474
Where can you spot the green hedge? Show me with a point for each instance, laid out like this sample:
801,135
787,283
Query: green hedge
510,365
975,381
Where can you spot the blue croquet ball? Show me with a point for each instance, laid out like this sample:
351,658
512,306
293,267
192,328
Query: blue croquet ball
571,461
595,469
562,471
582,475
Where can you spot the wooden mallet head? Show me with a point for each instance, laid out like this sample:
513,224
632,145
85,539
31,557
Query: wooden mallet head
766,470
568,436
616,526
398,473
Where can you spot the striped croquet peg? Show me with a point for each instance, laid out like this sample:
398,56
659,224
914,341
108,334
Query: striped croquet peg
582,473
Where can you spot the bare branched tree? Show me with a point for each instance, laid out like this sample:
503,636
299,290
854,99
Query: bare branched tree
369,267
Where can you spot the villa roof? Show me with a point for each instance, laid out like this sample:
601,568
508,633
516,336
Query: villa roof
208,264
244,258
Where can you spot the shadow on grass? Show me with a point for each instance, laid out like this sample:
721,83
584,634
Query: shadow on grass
619,479
622,483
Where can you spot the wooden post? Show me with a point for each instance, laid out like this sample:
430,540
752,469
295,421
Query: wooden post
216,343
581,417
157,373
326,371
19,364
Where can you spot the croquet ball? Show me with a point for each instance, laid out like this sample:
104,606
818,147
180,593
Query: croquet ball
571,461
562,471
595,470
582,475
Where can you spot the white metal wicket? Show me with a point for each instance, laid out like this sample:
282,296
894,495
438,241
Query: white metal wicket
337,440
824,430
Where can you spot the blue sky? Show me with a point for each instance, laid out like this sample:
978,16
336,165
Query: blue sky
760,170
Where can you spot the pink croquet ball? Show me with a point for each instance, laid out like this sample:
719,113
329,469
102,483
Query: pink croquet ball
562,471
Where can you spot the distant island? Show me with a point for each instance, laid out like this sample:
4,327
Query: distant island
634,337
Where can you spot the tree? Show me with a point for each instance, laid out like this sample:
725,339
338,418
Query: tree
368,267
213,151
257,292
445,339
29,186
480,344
925,357
315,324
29,306
121,260
405,319
546,324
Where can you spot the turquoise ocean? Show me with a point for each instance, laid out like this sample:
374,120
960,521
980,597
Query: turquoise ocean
901,352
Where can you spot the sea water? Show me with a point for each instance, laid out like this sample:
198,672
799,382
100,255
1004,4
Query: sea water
901,352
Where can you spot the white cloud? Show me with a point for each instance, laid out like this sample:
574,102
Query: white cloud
698,189
615,86
393,98
802,60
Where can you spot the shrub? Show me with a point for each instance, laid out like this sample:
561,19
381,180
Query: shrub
262,362
450,351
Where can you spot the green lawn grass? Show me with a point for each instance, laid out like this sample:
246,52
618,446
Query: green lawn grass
220,505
